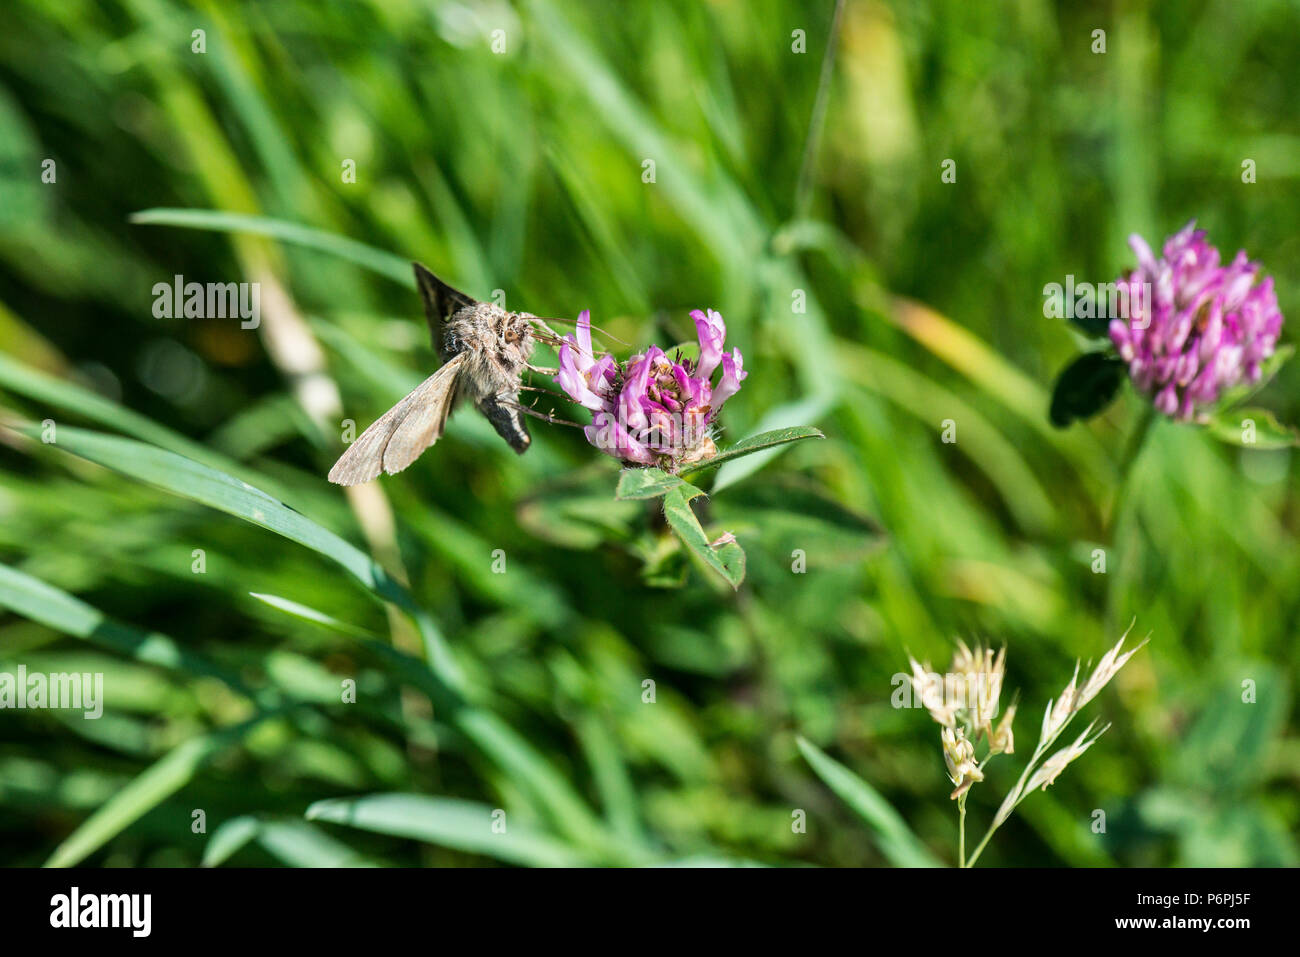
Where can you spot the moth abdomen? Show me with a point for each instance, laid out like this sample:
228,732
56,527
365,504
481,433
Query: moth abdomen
507,420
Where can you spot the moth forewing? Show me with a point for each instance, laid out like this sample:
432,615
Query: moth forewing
397,437
424,423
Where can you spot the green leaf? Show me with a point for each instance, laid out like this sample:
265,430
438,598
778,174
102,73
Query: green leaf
727,560
296,843
462,825
897,842
1095,327
651,483
575,510
154,785
305,613
610,775
300,844
228,838
86,404
789,512
709,861
189,479
368,257
758,443
1085,387
1226,749
1252,428
55,608
210,487
529,769
508,750
788,415
1268,370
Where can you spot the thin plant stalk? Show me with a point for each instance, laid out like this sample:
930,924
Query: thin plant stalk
961,831
1137,441
803,185
1018,790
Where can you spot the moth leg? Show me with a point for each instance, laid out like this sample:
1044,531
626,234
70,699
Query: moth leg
548,417
542,369
505,418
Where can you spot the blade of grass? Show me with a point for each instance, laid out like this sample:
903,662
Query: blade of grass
368,257
62,394
462,825
529,768
924,398
55,608
305,613
152,787
228,838
897,842
1000,379
610,774
189,479
299,844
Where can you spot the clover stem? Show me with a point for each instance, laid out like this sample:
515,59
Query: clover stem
1133,447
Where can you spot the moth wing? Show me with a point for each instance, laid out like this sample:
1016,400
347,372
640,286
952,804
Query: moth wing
424,423
397,437
441,302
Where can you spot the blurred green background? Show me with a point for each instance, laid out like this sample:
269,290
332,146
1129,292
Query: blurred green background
523,171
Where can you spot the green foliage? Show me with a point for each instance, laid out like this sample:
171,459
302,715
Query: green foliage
295,843
1253,428
175,531
757,443
727,559
464,825
368,257
651,483
899,845
1085,387
1237,424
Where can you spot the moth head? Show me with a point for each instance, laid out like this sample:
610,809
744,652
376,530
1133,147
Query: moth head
518,332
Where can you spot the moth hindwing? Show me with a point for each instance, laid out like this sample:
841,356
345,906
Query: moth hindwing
441,302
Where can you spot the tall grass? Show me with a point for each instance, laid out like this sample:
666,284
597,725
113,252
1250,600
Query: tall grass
524,692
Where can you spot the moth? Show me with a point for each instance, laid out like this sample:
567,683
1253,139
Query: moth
484,351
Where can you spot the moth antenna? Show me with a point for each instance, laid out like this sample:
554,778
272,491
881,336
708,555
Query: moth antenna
544,416
542,322
550,340
574,322
610,335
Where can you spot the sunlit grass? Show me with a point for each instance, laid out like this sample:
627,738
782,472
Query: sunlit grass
524,692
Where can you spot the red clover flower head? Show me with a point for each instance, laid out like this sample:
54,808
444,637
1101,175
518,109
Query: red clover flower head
652,409
1199,329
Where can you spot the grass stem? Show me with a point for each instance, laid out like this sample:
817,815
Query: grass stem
803,186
